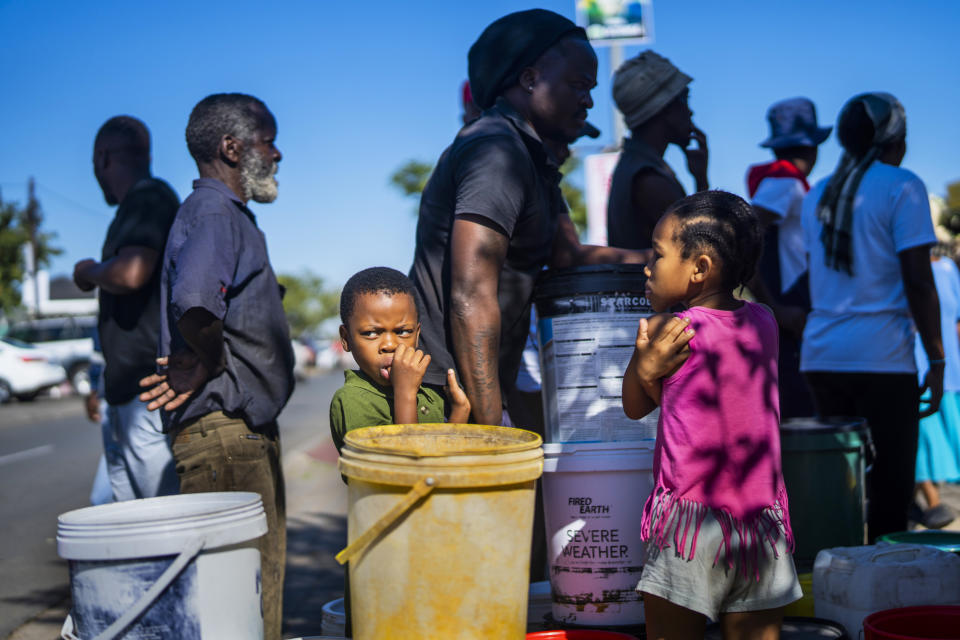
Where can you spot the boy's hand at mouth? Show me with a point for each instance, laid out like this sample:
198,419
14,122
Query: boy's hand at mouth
406,374
460,414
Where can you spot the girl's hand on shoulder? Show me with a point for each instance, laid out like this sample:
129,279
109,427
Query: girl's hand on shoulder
662,346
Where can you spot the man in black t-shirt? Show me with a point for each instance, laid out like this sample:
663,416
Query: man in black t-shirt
491,215
139,458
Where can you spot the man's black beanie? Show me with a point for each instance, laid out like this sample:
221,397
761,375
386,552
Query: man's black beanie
509,45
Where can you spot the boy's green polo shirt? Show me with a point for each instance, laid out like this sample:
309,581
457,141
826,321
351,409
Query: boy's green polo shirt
361,402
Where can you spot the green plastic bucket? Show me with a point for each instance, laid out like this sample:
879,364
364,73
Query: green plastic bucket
824,468
944,540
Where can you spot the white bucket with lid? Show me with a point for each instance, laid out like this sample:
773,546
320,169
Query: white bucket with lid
184,567
850,583
593,496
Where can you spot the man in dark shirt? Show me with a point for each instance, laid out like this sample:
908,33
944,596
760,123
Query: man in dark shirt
652,94
138,455
223,332
492,216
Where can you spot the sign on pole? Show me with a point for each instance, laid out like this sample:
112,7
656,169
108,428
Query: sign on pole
616,21
598,172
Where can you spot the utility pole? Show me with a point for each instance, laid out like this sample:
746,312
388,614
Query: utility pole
619,126
31,219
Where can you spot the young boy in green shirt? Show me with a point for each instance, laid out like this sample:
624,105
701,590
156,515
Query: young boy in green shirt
381,327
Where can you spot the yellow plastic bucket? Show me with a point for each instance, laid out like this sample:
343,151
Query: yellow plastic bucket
804,606
439,528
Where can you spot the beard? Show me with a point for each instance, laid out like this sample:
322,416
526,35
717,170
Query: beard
256,176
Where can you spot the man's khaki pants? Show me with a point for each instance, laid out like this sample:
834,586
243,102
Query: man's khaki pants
219,453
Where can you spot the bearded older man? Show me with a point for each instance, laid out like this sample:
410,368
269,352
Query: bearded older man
226,358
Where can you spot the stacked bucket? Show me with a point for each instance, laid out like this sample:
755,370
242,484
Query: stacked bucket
597,462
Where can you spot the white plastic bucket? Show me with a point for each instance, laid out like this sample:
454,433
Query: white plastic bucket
586,327
850,583
593,496
184,567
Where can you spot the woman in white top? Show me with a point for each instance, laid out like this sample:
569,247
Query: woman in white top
868,233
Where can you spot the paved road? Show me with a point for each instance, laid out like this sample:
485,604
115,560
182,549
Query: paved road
48,456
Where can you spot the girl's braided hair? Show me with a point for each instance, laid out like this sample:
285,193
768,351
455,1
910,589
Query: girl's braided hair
723,226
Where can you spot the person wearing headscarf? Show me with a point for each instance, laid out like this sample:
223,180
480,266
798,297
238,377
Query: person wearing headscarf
492,215
776,192
868,233
652,94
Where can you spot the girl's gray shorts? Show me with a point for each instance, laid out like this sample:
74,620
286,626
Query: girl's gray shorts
698,585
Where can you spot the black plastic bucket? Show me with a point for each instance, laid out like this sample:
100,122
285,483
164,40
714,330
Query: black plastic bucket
586,329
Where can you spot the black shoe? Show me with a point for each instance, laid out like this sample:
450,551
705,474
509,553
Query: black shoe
937,517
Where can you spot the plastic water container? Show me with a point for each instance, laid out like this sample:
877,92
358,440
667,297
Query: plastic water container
538,609
795,628
183,566
539,604
850,583
587,327
439,528
913,623
827,508
593,496
333,620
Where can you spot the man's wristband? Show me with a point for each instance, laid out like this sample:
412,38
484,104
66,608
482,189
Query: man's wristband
938,361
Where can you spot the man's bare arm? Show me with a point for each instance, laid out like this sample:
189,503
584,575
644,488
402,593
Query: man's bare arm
568,251
125,273
478,249
925,308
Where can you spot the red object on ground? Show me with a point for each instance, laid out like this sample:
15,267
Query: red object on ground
913,623
580,634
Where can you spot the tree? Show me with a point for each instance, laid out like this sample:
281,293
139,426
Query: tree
411,179
574,194
307,302
17,225
951,216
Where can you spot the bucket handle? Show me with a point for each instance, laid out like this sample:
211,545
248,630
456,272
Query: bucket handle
419,490
191,550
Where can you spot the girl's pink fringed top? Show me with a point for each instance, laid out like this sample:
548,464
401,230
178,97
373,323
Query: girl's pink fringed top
718,439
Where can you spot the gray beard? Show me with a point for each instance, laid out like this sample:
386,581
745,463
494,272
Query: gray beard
256,176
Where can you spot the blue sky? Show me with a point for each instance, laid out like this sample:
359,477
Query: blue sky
360,87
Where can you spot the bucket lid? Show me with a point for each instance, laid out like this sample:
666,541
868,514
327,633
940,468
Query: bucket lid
590,457
453,455
823,425
590,279
943,540
160,526
624,446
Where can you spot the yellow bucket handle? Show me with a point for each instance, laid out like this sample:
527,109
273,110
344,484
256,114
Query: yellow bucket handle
419,490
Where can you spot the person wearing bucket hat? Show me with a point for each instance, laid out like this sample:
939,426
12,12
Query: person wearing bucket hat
777,190
868,232
492,214
652,95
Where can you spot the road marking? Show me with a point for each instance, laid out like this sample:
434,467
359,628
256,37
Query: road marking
26,454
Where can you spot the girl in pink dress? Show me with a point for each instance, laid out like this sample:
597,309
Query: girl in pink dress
716,525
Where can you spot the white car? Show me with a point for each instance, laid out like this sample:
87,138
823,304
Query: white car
25,371
68,341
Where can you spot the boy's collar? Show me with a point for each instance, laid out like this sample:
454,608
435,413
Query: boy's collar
357,378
